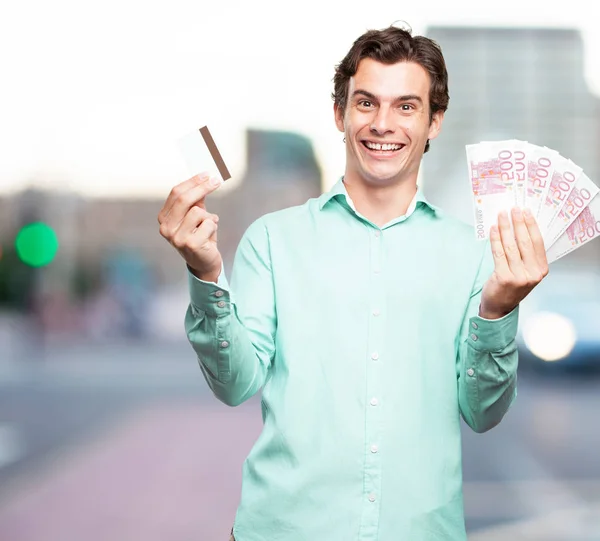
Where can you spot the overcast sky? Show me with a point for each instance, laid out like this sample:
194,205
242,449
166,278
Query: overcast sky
94,98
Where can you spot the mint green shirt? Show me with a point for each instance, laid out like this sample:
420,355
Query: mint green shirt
368,348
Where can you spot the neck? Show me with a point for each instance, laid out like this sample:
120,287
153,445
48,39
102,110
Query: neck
380,204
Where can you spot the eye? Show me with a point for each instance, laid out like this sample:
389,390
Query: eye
365,103
406,107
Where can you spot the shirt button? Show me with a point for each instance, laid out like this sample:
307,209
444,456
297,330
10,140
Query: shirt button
474,325
470,372
221,304
224,344
376,312
374,448
376,271
374,355
371,497
474,337
374,401
219,293
377,233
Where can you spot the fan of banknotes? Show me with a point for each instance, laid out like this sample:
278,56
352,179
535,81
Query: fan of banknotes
564,201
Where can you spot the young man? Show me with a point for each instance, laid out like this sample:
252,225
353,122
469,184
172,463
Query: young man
370,319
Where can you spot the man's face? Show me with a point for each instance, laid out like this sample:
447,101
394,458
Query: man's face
387,105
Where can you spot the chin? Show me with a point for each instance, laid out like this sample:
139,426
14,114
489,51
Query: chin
386,171
382,176
379,180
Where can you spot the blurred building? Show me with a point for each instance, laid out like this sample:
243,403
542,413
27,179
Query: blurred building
512,83
112,247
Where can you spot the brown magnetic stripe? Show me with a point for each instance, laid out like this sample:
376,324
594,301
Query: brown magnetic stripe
214,152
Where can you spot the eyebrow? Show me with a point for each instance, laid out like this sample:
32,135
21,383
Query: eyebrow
406,97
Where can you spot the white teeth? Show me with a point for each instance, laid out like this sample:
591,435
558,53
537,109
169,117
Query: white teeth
378,146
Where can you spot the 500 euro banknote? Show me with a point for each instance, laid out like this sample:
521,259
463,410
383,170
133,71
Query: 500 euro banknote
512,154
583,229
581,195
519,158
563,180
540,166
492,185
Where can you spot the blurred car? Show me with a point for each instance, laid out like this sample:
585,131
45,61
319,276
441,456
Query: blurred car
559,323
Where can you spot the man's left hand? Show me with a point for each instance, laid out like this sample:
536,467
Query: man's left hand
520,263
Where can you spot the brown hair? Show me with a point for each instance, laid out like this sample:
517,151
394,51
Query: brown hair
389,46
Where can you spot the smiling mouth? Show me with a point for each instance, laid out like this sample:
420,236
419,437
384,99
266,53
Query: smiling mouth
383,148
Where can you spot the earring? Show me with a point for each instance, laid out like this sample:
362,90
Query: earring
344,139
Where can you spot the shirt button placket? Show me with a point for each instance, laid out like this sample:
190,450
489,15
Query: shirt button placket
375,401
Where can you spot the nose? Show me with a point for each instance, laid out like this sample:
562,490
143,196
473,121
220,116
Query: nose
382,122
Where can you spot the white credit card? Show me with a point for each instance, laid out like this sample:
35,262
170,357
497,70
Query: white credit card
201,154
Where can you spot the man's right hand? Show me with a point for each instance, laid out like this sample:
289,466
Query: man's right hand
190,228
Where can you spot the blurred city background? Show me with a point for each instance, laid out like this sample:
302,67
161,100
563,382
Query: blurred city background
107,428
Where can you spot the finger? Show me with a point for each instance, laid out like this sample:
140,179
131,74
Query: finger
186,200
190,224
193,219
509,245
523,239
192,194
206,230
537,240
178,190
500,263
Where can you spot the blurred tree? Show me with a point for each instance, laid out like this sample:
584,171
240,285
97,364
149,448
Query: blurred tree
16,280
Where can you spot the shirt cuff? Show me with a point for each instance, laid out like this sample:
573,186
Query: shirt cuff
210,297
493,334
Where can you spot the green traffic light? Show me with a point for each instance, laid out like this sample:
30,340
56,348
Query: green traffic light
36,244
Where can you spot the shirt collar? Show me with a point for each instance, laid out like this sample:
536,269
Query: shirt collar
338,191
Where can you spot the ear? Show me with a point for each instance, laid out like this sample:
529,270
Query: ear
436,125
339,117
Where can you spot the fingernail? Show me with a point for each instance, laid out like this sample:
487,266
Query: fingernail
203,176
518,213
527,212
215,181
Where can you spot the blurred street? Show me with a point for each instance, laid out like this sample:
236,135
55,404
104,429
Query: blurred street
125,442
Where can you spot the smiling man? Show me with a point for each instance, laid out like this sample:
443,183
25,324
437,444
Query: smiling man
371,321
386,114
